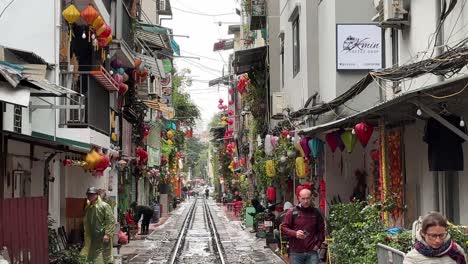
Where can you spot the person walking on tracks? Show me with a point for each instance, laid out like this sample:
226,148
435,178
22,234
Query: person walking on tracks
99,226
305,227
433,244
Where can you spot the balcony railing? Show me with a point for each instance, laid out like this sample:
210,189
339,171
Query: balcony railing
94,110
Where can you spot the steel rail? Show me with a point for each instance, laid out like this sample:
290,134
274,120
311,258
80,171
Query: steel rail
183,232
214,232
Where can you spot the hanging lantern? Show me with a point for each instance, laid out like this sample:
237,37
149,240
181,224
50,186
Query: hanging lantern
230,122
220,107
332,140
137,63
125,77
316,147
305,146
297,145
97,23
89,14
123,88
102,166
106,33
270,168
117,64
349,140
301,165
230,102
170,142
170,133
121,71
271,194
268,146
231,91
363,132
107,41
230,113
274,141
220,101
71,14
284,133
118,78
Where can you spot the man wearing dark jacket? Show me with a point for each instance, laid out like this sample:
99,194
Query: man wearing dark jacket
305,227
147,213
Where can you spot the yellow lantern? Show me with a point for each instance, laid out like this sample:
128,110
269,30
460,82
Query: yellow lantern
97,23
71,14
301,167
170,133
101,29
170,142
114,136
270,168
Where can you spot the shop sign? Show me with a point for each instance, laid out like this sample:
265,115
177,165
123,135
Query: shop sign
154,157
258,8
358,47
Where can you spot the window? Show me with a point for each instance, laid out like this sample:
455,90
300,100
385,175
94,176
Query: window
17,118
296,46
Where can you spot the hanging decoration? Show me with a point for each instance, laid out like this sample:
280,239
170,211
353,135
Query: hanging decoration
230,121
271,194
395,173
305,146
301,167
142,156
274,141
71,14
322,195
268,145
242,83
270,168
97,23
220,101
316,147
349,140
230,113
230,102
383,184
333,140
297,145
89,14
231,91
363,132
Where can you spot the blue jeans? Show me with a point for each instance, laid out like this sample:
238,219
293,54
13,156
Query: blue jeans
305,258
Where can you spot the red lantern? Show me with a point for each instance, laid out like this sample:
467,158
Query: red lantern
89,14
230,102
285,133
220,101
230,112
123,88
102,166
230,122
363,132
332,141
106,33
220,106
271,194
231,91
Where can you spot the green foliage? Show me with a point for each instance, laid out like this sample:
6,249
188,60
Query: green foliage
356,229
255,99
458,234
185,108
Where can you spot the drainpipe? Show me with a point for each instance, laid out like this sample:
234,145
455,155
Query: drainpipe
57,23
438,177
46,176
2,153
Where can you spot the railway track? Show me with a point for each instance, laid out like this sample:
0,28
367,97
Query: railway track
198,240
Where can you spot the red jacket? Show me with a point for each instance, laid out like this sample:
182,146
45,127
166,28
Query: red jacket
308,219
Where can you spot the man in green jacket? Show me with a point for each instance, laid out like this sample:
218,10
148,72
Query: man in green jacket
99,229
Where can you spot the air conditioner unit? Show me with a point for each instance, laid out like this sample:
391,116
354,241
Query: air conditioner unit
162,5
390,13
277,104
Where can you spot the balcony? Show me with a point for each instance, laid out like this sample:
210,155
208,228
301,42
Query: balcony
88,111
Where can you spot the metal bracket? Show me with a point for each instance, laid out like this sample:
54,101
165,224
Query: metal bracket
442,120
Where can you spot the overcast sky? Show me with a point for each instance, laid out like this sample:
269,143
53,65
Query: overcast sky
200,21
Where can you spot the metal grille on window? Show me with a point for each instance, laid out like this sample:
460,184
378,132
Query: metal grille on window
17,118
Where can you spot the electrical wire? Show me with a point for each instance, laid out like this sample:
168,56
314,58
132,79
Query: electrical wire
6,7
202,14
450,95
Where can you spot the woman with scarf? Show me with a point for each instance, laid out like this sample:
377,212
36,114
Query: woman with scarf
433,244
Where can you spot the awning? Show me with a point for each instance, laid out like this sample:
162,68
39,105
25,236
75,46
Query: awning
49,89
155,66
152,39
123,52
167,112
12,73
402,109
246,60
17,55
15,95
105,79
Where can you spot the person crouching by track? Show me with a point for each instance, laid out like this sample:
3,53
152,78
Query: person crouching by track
305,228
147,213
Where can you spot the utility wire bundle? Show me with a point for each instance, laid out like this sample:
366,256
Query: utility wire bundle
447,64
